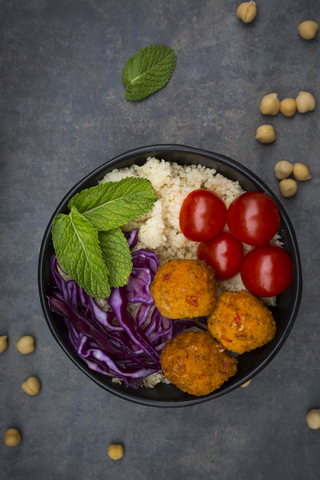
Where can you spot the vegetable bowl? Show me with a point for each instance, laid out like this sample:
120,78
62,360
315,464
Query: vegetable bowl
249,363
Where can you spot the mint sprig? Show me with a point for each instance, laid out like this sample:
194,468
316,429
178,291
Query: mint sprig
88,242
113,204
117,256
148,71
76,244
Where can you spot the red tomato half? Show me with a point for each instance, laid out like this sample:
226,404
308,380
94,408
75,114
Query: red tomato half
267,271
224,253
202,216
253,218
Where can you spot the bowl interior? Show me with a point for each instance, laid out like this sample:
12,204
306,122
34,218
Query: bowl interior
285,312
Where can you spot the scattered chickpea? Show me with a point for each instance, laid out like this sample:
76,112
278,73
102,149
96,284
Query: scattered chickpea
283,169
247,12
115,452
305,102
3,343
12,437
246,384
313,419
25,344
288,187
265,134
308,29
270,104
301,172
288,107
31,386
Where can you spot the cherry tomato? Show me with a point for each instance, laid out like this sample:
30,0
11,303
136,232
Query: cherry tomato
267,271
202,216
224,253
253,218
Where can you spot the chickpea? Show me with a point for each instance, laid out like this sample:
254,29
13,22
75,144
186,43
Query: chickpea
25,344
270,104
265,134
246,384
115,452
247,12
313,419
301,172
12,437
308,29
3,343
288,187
31,386
288,107
283,169
305,102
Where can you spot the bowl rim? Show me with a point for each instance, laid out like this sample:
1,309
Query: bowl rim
149,150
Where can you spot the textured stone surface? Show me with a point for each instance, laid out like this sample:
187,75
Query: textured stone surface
63,113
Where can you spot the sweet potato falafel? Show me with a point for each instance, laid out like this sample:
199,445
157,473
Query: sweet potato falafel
241,322
184,289
196,363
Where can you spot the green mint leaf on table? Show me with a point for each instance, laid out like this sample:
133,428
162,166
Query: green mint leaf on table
117,256
76,244
112,204
148,71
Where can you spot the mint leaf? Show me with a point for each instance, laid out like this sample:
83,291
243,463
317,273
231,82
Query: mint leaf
117,256
76,244
148,71
112,204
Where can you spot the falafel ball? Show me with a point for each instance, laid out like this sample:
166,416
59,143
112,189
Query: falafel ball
184,289
241,322
196,363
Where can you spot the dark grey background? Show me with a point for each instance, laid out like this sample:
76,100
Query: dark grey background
63,113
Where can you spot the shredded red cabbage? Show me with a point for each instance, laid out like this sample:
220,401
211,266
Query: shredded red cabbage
132,238
115,343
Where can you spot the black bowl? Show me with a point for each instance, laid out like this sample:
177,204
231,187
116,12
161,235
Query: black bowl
251,363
